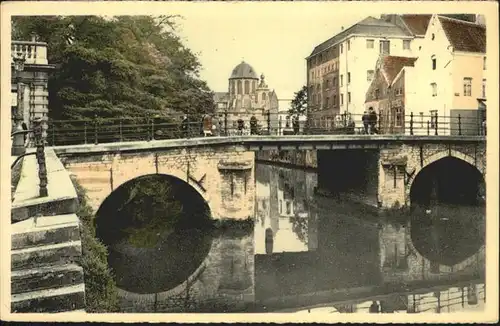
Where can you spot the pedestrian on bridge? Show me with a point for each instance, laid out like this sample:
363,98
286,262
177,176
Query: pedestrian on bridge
184,127
373,121
207,125
366,121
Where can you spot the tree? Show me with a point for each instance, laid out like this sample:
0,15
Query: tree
299,103
124,66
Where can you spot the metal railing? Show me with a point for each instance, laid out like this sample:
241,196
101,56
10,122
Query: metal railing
178,126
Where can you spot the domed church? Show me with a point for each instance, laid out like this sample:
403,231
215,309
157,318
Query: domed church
247,96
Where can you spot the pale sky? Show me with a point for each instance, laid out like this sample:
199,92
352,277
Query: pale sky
273,44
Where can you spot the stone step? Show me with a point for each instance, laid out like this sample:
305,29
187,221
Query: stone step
35,279
46,230
50,300
53,254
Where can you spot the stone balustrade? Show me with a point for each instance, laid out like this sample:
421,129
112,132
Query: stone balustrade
33,52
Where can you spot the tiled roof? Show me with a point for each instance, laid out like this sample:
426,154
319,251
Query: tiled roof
417,23
392,65
368,26
464,36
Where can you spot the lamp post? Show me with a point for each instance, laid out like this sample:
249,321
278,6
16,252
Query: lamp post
18,147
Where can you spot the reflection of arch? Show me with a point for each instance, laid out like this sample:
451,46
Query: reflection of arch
436,157
195,217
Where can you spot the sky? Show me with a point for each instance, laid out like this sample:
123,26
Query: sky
274,43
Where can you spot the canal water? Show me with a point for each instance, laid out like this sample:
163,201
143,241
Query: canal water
339,249
302,249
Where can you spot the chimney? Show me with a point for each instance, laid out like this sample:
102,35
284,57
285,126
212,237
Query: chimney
342,28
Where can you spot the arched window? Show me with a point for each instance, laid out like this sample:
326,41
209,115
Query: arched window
263,96
254,85
247,87
233,87
239,87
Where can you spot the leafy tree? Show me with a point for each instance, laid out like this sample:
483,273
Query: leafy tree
147,204
299,103
124,66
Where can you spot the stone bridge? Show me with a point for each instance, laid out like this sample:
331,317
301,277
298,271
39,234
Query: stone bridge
222,169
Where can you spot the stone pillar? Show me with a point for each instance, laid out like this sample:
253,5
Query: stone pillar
392,187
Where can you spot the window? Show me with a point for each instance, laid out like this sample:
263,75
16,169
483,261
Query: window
263,96
327,101
484,88
467,86
406,45
349,97
433,36
370,44
341,48
341,80
334,100
288,207
314,99
287,122
434,89
327,83
369,75
433,58
341,99
348,77
399,117
484,63
348,45
247,87
399,91
239,87
334,82
434,116
377,94
385,47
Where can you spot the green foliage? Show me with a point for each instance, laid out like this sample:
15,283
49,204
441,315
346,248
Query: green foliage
125,66
100,287
299,103
147,203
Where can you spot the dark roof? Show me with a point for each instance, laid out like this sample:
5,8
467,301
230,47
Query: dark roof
369,26
392,65
417,24
464,36
243,70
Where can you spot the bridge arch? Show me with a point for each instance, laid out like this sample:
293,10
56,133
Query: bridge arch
150,250
465,162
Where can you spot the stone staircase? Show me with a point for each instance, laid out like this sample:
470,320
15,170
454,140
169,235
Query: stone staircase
45,273
46,247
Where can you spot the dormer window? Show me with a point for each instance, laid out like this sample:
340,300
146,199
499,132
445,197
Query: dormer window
434,64
434,89
433,36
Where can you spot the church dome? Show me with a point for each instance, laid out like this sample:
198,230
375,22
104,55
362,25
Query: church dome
243,70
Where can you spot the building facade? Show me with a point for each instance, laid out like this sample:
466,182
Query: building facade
341,69
449,76
386,93
247,97
29,83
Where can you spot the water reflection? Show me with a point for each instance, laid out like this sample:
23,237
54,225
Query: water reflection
308,243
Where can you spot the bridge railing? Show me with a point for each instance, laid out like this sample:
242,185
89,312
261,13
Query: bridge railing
109,130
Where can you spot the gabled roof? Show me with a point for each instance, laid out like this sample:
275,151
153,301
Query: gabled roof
464,36
368,26
417,24
392,65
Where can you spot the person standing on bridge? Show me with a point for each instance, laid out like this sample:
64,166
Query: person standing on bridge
207,125
184,127
373,121
366,121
